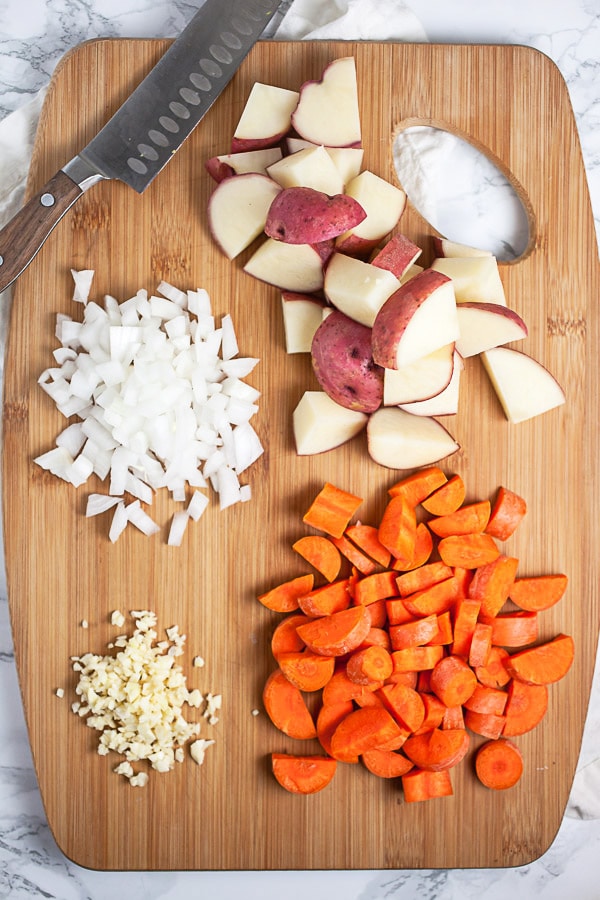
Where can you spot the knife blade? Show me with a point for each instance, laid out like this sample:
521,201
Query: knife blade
144,133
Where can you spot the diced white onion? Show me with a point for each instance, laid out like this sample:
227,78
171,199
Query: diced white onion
83,283
177,529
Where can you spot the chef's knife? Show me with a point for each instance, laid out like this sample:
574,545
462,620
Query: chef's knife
144,133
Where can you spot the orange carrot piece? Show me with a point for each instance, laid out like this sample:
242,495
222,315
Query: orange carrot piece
286,707
453,680
465,619
331,510
396,611
398,529
339,633
516,629
488,725
378,614
413,634
434,712
351,552
421,784
307,671
487,700
339,689
422,552
364,729
469,551
447,499
370,664
415,659
303,774
438,749
433,600
445,632
545,663
329,717
326,600
526,706
410,679
405,704
453,718
366,537
321,553
370,698
464,578
494,672
416,487
377,637
538,593
285,637
499,764
386,763
284,597
379,586
424,577
469,519
481,644
424,681
506,515
492,583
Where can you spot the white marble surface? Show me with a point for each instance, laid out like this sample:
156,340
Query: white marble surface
33,36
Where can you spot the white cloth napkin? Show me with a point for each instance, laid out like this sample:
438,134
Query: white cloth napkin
316,20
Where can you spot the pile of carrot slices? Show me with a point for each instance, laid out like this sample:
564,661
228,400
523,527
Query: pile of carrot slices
418,636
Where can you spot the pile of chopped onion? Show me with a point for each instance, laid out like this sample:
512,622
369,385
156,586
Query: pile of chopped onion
159,393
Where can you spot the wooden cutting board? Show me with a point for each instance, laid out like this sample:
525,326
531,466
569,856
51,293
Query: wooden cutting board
230,813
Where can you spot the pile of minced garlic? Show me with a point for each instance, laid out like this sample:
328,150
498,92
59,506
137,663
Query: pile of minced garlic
135,698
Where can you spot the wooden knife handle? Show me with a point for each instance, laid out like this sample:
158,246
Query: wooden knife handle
24,234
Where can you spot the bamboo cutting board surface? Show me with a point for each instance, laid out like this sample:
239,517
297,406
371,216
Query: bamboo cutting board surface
230,813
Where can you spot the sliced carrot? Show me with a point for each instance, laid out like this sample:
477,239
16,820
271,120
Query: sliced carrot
410,679
285,637
398,529
386,763
438,749
515,629
424,682
464,577
465,619
538,593
453,718
506,515
488,725
405,704
419,485
303,774
366,537
364,729
339,689
481,644
422,552
545,663
469,551
370,664
329,717
486,699
351,552
492,583
499,764
321,553
494,672
526,706
413,634
447,498
434,712
331,510
433,600
396,611
326,600
370,698
424,577
307,671
377,637
421,784
378,614
284,597
286,707
445,631
415,659
379,586
469,519
453,680
338,633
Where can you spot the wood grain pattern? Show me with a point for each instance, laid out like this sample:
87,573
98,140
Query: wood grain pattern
230,814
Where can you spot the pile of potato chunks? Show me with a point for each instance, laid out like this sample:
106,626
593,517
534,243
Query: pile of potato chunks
387,337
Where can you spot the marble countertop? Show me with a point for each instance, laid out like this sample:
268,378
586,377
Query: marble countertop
33,36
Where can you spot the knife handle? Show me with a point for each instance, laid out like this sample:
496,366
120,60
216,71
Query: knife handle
24,234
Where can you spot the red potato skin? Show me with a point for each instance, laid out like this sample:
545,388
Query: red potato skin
218,170
343,363
302,215
241,145
399,308
397,255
